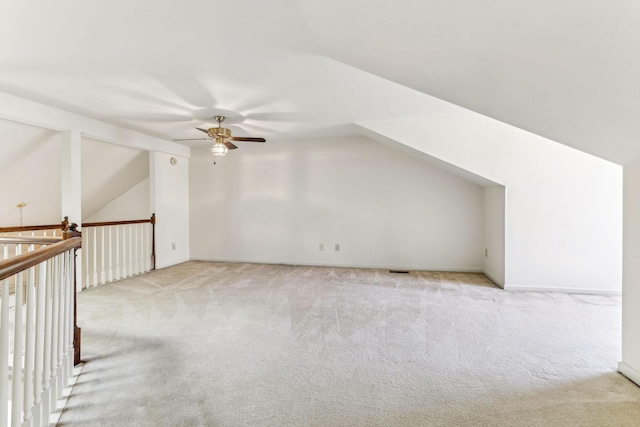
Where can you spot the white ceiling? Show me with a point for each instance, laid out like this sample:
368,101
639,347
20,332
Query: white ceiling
565,70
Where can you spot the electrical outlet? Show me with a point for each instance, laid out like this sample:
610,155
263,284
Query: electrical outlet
486,252
173,246
337,247
322,246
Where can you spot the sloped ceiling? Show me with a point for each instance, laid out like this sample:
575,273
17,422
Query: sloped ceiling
564,70
22,147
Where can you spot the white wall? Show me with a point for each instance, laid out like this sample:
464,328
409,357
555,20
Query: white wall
169,194
30,173
278,202
108,171
170,202
630,365
494,226
564,207
135,203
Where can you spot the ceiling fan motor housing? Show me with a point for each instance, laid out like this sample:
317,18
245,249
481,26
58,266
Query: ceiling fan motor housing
219,132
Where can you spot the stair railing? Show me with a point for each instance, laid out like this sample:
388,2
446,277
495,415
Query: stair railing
114,250
37,326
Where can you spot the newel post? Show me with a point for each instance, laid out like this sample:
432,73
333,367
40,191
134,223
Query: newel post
69,231
153,240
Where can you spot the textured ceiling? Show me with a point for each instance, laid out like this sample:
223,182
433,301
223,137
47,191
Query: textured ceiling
290,69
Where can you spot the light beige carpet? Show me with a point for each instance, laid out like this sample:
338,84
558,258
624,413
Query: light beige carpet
217,344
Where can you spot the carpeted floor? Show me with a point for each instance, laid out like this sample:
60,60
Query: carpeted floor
218,344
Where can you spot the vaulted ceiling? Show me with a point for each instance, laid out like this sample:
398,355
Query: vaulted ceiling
566,70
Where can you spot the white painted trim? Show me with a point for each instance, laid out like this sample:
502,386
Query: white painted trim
340,265
180,261
28,112
493,279
629,372
518,288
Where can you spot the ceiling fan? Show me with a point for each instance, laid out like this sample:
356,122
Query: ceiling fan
222,137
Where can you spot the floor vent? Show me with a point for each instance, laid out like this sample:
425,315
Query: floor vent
399,271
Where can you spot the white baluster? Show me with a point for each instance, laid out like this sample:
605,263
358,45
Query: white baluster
145,247
48,329
95,255
30,339
124,251
41,285
102,272
118,252
131,252
55,315
137,244
61,326
18,341
110,254
70,296
64,317
142,249
85,255
4,354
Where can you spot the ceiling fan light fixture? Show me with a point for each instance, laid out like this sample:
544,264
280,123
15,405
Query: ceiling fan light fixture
219,149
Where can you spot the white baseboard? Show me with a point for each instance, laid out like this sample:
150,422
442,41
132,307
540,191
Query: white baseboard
519,288
629,372
176,262
494,280
341,265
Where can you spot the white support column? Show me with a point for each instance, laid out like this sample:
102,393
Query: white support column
630,364
71,163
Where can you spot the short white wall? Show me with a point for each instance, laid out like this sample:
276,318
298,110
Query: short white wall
108,171
279,202
170,202
494,226
132,204
564,207
630,365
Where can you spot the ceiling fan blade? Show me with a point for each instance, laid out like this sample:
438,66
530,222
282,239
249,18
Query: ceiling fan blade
229,145
203,130
191,139
242,138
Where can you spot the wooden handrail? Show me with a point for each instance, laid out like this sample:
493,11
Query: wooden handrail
126,222
30,240
64,225
11,266
30,228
